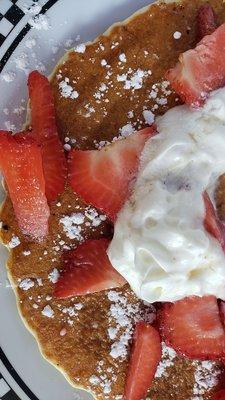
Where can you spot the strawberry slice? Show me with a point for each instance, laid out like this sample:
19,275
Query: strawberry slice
45,131
219,395
21,165
192,327
222,312
87,270
104,178
212,223
145,355
200,70
206,21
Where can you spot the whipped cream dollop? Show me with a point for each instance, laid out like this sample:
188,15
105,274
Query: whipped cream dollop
160,245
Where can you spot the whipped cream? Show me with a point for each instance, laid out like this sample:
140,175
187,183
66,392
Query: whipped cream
160,245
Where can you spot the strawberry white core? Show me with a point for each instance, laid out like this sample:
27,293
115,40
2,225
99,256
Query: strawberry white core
160,244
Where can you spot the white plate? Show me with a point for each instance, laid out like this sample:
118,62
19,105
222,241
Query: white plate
26,374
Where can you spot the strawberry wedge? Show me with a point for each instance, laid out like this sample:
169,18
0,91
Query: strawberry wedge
192,326
219,395
212,223
206,21
87,270
44,130
104,178
145,355
222,312
21,166
200,70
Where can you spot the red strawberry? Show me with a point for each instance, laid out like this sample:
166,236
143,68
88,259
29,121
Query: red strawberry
45,131
212,223
145,355
104,178
87,270
219,395
192,327
222,312
21,165
200,70
206,21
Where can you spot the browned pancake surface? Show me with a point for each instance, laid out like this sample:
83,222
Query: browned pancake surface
73,334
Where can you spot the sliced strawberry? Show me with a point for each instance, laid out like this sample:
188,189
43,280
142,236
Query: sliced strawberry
192,327
21,165
222,312
212,223
45,131
104,178
87,270
200,70
219,395
145,355
206,21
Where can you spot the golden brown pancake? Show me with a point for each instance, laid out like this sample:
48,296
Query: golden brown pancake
112,82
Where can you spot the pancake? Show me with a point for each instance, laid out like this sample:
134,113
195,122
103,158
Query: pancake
101,91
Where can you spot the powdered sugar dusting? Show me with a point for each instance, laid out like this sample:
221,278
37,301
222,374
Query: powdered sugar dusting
67,90
80,48
133,79
26,284
148,116
40,22
206,377
126,130
105,381
168,356
122,317
48,312
122,57
54,275
14,242
72,224
8,76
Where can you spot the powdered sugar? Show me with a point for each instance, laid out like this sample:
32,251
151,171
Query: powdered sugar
126,130
71,227
30,43
80,48
72,223
8,76
93,217
33,8
122,57
53,276
70,313
48,312
149,117
22,62
10,126
26,284
67,90
133,79
14,242
168,356
26,253
94,380
206,377
103,62
177,35
104,380
40,22
122,316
